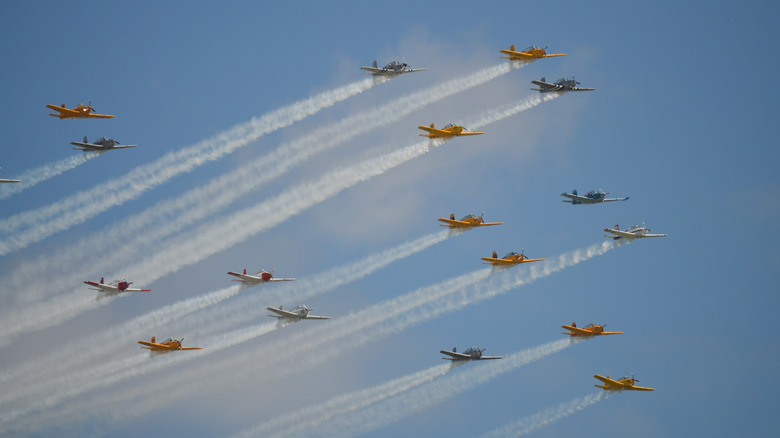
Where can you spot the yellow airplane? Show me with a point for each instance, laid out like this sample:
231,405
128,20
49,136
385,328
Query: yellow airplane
448,131
468,221
166,346
588,330
80,112
512,258
528,54
627,383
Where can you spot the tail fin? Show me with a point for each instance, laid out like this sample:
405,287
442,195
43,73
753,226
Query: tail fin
512,48
374,64
154,340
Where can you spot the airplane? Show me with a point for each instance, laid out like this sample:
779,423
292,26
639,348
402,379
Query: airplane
635,232
393,69
80,112
561,86
298,313
102,144
261,276
450,130
588,330
115,287
9,180
468,221
512,258
592,197
620,384
530,53
472,353
166,345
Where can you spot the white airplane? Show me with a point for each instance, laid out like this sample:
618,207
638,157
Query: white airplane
298,313
261,276
561,86
102,144
635,232
9,180
393,69
115,287
472,353
592,197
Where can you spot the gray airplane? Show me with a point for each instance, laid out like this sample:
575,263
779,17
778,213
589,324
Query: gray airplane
561,86
472,353
101,145
592,197
393,69
298,313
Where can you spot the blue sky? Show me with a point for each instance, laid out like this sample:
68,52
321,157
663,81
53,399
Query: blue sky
682,122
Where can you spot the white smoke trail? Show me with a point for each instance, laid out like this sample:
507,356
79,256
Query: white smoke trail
34,381
39,174
294,353
548,416
437,391
25,228
139,233
310,417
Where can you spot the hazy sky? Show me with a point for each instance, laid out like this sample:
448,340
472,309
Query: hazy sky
261,145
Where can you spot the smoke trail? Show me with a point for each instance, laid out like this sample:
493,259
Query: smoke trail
32,226
547,416
60,365
39,174
310,417
437,391
149,227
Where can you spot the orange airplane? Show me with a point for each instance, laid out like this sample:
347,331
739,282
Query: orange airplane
80,112
620,384
528,54
512,258
588,330
450,130
166,346
468,221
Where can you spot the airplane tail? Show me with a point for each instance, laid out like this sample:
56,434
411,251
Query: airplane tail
374,64
154,340
512,47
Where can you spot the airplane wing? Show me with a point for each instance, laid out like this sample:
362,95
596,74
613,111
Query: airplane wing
317,317
617,234
10,180
132,289
433,132
246,278
191,348
609,383
494,261
151,345
62,111
516,55
575,199
455,356
469,133
576,331
100,116
96,147
653,235
282,313
552,55
532,260
280,279
615,199
639,388
581,89
102,286
373,70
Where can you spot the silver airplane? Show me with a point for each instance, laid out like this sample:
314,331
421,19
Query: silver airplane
635,232
472,353
561,86
9,180
298,313
592,197
393,69
101,145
